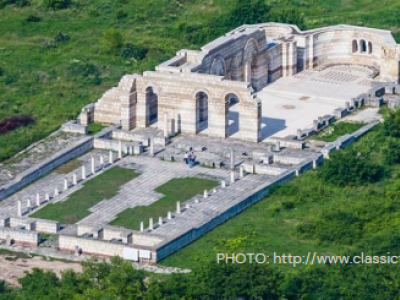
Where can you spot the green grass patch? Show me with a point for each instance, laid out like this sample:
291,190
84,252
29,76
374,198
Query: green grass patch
180,189
94,128
68,167
338,129
104,186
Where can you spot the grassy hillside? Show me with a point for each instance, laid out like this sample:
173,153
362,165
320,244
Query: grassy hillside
52,80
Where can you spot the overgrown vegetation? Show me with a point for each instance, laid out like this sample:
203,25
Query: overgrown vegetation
11,123
181,189
102,187
336,130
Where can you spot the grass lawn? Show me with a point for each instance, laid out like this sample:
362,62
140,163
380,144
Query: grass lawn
94,128
68,167
338,129
180,189
104,186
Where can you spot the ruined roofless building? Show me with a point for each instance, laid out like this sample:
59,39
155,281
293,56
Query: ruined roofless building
194,91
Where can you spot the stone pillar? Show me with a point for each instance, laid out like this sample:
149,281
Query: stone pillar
151,226
297,172
241,171
74,179
56,193
76,252
8,240
178,207
47,197
311,52
223,183
19,208
101,161
347,105
314,164
111,158
205,194
232,159
92,166
120,150
299,134
232,177
165,125
187,206
28,203
277,146
37,199
83,172
160,221
141,226
65,184
169,217
315,125
214,191
151,148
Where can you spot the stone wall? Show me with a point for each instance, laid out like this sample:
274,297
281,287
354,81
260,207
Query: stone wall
20,236
73,127
46,166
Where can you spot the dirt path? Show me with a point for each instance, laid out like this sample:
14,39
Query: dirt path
12,268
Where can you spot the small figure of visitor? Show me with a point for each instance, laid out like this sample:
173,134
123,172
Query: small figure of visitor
185,158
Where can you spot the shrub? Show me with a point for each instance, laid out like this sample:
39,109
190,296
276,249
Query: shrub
121,15
57,4
113,41
33,19
1,71
12,123
136,52
18,3
61,37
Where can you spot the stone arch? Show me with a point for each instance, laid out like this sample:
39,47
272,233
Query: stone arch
363,46
250,59
218,67
201,111
151,105
369,47
354,46
231,101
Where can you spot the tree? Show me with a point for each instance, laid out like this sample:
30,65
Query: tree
113,41
248,12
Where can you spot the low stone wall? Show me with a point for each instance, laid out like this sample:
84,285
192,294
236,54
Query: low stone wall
20,236
39,225
287,159
287,143
74,127
35,172
252,197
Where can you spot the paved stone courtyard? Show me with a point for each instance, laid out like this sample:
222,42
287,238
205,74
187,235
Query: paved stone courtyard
293,103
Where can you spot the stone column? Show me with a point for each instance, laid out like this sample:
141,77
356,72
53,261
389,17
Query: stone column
315,125
151,148
120,150
47,197
74,179
169,217
111,158
277,146
223,183
141,226
19,208
311,52
205,194
37,199
232,159
83,172
56,192
173,128
160,221
314,164
297,172
65,184
178,207
187,206
92,166
241,171
347,105
299,134
232,177
101,161
28,203
8,240
165,125
151,226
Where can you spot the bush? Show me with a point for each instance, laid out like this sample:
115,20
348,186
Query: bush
391,125
33,19
57,4
86,72
113,41
351,168
12,123
121,15
1,71
18,3
61,37
135,52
